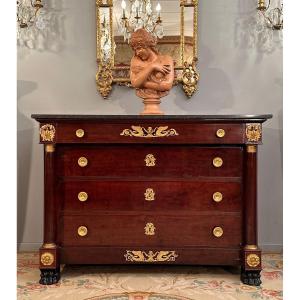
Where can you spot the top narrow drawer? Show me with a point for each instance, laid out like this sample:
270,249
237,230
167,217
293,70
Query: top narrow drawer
148,132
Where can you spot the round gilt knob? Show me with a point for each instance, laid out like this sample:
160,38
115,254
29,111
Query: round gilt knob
218,232
82,196
217,197
80,133
218,162
220,133
82,161
82,231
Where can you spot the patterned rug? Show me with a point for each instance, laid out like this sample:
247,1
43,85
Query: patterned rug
148,283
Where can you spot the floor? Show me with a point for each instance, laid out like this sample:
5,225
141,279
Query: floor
148,283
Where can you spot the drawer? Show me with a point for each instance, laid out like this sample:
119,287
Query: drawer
85,196
151,230
143,161
148,132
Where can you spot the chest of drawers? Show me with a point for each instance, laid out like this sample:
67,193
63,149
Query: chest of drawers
150,190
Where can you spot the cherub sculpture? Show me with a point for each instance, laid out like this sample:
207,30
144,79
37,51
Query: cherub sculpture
151,73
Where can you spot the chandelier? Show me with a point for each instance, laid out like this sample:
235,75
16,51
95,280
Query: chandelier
273,17
141,16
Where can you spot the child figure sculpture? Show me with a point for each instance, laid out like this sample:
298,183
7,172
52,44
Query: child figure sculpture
151,73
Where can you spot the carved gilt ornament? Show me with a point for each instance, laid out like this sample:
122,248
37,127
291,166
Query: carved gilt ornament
253,260
149,132
151,256
47,133
47,259
253,132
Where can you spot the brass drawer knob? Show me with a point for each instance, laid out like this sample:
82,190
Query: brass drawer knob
220,133
82,231
218,232
149,194
80,133
217,197
82,196
149,229
150,160
82,161
218,162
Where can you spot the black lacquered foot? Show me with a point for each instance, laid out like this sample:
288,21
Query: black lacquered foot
251,277
49,276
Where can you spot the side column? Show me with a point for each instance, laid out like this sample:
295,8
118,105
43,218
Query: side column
251,254
49,256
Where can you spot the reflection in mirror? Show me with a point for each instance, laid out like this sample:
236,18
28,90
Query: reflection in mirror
173,22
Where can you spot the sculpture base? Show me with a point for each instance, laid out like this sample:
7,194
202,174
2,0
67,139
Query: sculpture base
151,107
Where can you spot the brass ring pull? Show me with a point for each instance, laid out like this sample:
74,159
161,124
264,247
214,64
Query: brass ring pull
80,133
82,196
218,232
149,194
220,133
218,162
82,231
217,197
82,161
150,160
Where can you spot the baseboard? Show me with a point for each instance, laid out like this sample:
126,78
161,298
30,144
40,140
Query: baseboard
28,246
272,248
35,246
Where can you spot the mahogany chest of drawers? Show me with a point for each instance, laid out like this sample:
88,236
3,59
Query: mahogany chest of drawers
150,190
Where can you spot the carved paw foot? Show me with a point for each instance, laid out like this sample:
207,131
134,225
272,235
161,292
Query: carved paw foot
49,276
251,277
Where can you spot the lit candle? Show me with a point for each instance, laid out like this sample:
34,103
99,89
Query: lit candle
158,9
123,5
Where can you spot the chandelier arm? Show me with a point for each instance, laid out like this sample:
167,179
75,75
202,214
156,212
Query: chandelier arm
269,3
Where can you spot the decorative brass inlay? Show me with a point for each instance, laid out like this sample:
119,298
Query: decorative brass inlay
252,260
82,196
142,256
49,148
49,246
149,229
82,161
250,247
149,194
218,162
82,231
80,133
190,79
139,131
47,133
150,160
47,259
220,133
251,148
253,132
217,197
218,232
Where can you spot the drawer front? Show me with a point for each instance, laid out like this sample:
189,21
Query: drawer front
149,132
151,230
88,196
149,161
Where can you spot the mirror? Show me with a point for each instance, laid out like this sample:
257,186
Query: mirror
174,22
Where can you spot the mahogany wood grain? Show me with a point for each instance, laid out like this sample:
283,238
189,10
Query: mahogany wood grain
169,195
187,133
112,161
186,256
128,230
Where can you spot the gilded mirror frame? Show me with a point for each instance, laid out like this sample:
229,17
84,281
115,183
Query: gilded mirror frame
109,74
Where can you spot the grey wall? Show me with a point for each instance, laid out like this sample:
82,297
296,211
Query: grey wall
238,75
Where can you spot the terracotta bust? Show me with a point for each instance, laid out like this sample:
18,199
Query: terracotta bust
151,73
